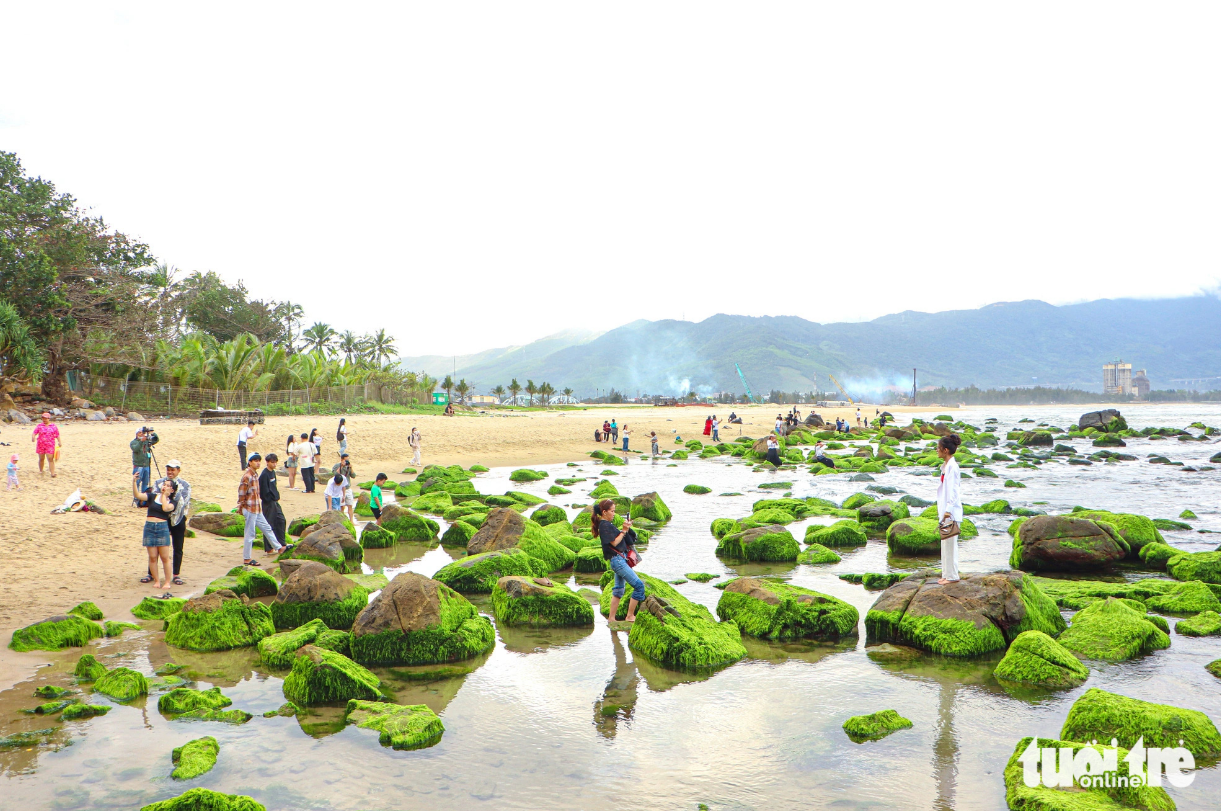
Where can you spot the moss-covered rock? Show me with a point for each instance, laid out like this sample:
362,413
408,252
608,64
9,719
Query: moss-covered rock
1185,599
113,628
1206,623
1101,716
527,475
507,529
331,544
841,533
539,602
877,516
1110,630
858,500
88,610
766,543
1203,566
182,700
459,534
774,609
1137,530
977,614
1020,797
408,526
251,581
1034,658
202,799
122,684
921,536
79,712
590,560
88,668
227,525
1066,543
697,489
557,490
400,726
417,621
676,632
375,537
477,574
56,633
194,758
1156,555
279,650
152,608
436,502
861,728
701,577
817,553
724,526
875,581
767,517
321,676
650,506
221,620
548,514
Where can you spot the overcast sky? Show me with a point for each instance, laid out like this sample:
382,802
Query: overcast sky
472,174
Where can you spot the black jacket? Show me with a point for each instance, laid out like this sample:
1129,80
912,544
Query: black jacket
269,491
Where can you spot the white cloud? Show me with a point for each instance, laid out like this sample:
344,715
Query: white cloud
477,174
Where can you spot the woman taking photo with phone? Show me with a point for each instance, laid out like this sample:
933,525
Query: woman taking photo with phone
157,541
949,507
617,546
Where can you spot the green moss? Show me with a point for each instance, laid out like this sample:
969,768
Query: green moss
603,490
1137,530
1099,715
245,580
152,608
1035,658
1020,797
650,506
1111,631
338,615
769,543
1203,566
524,498
557,490
458,534
914,536
435,502
861,728
540,603
1188,515
527,475
87,610
89,668
857,500
1206,623
697,489
776,610
411,726
701,577
279,650
817,553
1184,599
122,684
477,574
202,799
1214,667
460,634
51,691
375,537
547,551
194,758
56,633
841,533
78,712
549,514
875,580
1155,555
298,525
51,707
232,624
724,526
767,517
320,676
183,699
590,560
408,527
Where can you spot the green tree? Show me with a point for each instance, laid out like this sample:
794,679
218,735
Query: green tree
205,303
499,392
531,390
448,385
19,355
462,387
567,394
381,346
545,391
319,338
351,345
514,389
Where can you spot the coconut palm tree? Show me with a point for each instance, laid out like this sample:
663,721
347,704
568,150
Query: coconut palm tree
545,390
381,347
448,385
567,394
531,390
319,338
462,387
351,345
499,392
514,389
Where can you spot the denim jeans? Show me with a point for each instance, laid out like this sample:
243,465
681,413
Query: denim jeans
257,521
145,475
716,434
625,443
336,501
624,574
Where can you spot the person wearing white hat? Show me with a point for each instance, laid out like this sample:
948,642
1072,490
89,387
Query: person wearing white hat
178,518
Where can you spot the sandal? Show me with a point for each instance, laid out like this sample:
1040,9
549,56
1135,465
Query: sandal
250,562
178,581
166,596
146,579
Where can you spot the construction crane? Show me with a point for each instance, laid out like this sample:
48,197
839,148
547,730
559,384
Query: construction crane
746,385
841,389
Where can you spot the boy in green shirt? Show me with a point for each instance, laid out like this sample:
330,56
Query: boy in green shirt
375,497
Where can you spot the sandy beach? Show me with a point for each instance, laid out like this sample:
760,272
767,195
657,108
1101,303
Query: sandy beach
57,561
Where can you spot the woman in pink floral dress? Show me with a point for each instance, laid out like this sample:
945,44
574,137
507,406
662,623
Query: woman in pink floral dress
46,435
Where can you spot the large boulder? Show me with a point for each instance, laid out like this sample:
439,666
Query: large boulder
673,631
321,676
650,506
400,726
776,610
221,620
331,544
1106,421
1185,599
539,602
1101,716
407,526
316,591
921,536
505,528
1114,794
122,684
1202,566
1036,659
56,633
1137,530
459,534
1110,630
977,614
417,621
229,525
1065,543
477,574
841,533
279,650
766,543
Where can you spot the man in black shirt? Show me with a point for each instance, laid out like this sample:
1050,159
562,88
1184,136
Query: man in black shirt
269,492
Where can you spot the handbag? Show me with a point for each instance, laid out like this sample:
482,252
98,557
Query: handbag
948,528
632,557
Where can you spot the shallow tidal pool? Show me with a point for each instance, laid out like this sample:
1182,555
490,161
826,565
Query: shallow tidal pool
571,719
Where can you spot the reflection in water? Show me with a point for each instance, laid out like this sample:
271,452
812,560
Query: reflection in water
945,749
618,699
524,639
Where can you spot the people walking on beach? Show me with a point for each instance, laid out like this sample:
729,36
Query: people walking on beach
333,494
626,436
290,461
773,450
716,425
653,442
250,506
305,462
949,507
13,484
141,451
269,494
160,505
349,492
415,442
45,438
708,427
178,518
375,497
316,440
243,437
341,436
616,546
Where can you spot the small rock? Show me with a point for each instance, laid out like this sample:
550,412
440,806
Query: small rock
18,417
135,416
108,411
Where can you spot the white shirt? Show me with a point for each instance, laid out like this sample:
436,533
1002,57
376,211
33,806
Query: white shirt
333,490
244,435
343,432
716,424
773,444
949,497
779,425
305,454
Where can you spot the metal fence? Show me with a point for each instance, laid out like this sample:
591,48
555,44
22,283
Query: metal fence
164,398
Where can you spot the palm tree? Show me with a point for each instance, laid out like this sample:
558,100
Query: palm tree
545,391
531,390
567,394
462,388
351,345
499,391
381,346
514,389
319,337
448,385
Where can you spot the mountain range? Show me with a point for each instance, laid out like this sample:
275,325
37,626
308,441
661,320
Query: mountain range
1004,344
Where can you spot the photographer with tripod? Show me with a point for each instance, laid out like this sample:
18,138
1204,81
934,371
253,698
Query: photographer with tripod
141,455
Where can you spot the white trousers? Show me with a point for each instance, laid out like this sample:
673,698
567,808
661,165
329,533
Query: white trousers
257,521
949,558
415,460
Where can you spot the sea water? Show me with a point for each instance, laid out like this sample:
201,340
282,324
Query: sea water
572,719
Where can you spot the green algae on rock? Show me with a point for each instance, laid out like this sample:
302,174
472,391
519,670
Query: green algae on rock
477,574
88,668
817,553
776,610
1203,566
321,676
418,621
183,700
115,628
122,684
408,526
697,489
1034,658
279,650
202,799
916,536
252,582
724,526
1185,599
221,620
1137,530
861,728
539,602
527,475
78,712
875,580
51,691
374,537
194,758
1100,715
400,726
701,577
56,633
1098,797
154,608
88,610
766,543
51,707
650,506
1111,631
548,514
1206,623
1066,543
459,534
315,591
506,529
332,543
841,533
1156,555
590,560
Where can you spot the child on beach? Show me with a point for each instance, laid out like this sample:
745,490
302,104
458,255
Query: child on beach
653,441
334,493
12,473
375,497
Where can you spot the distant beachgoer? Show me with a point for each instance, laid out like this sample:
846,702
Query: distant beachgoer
820,454
160,505
250,506
708,427
141,452
734,418
616,544
415,442
866,422
626,436
606,430
45,438
653,442
333,494
349,492
290,461
316,440
597,435
375,498
773,450
949,505
269,494
614,431
341,435
13,484
858,418
243,437
716,425
305,461
779,424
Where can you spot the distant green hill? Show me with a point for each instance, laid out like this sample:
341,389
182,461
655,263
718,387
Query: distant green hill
1005,344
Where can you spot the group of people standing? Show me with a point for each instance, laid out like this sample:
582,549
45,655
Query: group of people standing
712,428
